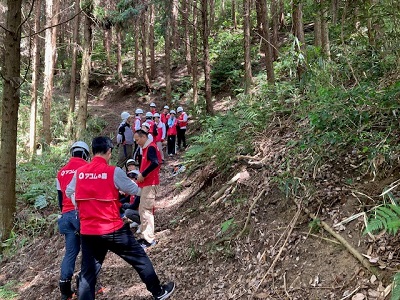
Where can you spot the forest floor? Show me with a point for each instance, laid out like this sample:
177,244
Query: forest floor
201,245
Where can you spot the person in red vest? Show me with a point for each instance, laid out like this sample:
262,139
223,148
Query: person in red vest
95,188
164,116
153,108
68,223
171,133
182,123
162,132
148,180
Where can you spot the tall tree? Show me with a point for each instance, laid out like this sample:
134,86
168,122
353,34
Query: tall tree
233,14
174,24
74,68
298,31
248,76
194,55
118,34
151,42
262,12
206,56
185,24
136,31
85,69
9,116
144,38
52,14
167,61
275,28
35,80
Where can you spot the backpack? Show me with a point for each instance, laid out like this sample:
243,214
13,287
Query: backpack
155,130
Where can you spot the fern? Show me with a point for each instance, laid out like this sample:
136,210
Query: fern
385,217
396,287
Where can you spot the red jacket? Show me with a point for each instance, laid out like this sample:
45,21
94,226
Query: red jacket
172,129
64,177
154,176
97,198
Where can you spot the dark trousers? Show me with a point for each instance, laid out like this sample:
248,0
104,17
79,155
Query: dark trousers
171,144
122,243
182,137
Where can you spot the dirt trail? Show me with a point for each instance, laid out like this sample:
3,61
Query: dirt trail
195,249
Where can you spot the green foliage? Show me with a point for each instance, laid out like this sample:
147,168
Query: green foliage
228,224
6,291
226,56
396,287
385,217
315,225
226,135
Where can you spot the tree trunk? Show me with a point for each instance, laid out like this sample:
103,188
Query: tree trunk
233,13
325,32
298,31
9,116
206,57
194,60
334,11
185,21
174,25
52,8
275,26
151,43
144,51
107,45
119,52
35,81
85,70
317,24
262,12
74,68
248,77
167,66
136,33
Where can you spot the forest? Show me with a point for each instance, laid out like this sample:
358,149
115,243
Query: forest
290,186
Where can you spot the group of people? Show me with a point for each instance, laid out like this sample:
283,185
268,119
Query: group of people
167,126
93,216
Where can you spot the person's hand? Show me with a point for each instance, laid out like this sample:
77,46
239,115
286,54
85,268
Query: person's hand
140,178
119,138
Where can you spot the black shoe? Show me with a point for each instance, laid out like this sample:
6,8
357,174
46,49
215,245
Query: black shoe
166,291
145,244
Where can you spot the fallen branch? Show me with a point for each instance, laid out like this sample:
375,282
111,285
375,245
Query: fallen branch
249,213
241,175
350,248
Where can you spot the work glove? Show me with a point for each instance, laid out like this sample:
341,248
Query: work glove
119,138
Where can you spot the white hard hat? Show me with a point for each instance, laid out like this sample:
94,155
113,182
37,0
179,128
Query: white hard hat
147,125
125,115
166,107
172,112
149,115
152,104
179,109
156,115
80,146
130,162
138,111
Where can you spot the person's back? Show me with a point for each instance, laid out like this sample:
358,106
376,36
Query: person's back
68,223
96,189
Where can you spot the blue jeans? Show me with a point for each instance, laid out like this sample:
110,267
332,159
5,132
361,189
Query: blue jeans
68,225
123,243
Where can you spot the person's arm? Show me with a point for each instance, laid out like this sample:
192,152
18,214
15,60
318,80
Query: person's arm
185,117
70,191
152,157
124,183
164,131
59,194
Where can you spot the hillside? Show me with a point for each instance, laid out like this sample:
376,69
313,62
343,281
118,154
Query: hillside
245,240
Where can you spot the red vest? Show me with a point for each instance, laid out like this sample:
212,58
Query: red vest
64,177
182,123
158,138
153,110
164,118
172,129
97,198
153,178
